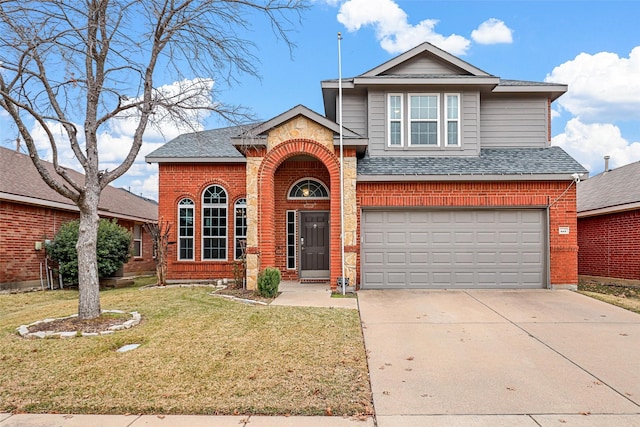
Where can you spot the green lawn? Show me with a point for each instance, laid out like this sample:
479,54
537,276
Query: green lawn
199,355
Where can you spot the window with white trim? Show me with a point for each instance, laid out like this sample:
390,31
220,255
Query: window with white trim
186,221
137,241
432,120
308,188
424,120
214,224
395,136
240,211
452,107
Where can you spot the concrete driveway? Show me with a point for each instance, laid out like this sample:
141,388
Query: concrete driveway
512,358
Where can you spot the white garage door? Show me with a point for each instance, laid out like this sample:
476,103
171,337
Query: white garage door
453,249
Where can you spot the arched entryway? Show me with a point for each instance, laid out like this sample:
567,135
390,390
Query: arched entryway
284,166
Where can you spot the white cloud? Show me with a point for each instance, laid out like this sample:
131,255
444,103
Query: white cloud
492,31
589,143
392,28
602,87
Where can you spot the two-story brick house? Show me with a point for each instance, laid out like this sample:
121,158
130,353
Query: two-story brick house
449,181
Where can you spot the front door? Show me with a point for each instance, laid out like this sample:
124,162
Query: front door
314,245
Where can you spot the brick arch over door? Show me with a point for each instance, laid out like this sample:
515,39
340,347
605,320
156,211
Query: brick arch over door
266,211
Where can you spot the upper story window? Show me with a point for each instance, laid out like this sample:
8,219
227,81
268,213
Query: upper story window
395,120
424,120
214,223
186,221
452,106
308,188
431,120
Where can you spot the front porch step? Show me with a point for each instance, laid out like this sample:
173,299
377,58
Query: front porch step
315,281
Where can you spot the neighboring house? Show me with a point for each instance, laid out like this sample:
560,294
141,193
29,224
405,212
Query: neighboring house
31,212
449,182
609,224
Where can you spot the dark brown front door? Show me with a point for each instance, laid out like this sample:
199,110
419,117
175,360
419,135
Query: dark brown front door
314,244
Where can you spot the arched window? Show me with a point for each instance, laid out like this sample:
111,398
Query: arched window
186,224
240,210
308,188
214,223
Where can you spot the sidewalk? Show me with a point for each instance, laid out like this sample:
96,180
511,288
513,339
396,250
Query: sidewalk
57,420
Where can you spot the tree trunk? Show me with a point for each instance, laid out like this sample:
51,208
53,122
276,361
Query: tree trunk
88,281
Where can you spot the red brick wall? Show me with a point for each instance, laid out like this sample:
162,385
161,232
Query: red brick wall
563,248
22,225
180,180
287,174
610,245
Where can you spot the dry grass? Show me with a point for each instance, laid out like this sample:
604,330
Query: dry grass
199,355
625,296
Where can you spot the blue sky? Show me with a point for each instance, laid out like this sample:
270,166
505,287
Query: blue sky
586,44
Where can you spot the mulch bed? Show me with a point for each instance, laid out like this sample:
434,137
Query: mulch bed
97,325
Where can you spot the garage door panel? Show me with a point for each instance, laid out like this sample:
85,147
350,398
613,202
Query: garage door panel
453,249
418,258
396,258
394,237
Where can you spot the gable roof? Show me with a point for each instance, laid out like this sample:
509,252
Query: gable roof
258,133
412,68
224,145
201,147
551,163
20,182
426,47
612,191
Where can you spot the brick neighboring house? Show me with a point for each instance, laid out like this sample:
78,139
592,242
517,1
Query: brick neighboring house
449,182
609,224
31,212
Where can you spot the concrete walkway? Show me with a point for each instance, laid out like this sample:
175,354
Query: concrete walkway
500,358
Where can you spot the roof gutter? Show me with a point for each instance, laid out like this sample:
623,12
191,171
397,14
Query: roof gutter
464,177
68,207
609,210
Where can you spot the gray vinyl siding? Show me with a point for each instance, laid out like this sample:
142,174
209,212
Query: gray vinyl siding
354,113
424,65
514,122
378,123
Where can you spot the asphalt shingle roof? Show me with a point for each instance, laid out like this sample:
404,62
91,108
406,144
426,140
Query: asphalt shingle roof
616,187
19,177
214,143
492,161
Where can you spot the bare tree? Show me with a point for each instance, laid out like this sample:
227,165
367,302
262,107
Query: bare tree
159,233
70,67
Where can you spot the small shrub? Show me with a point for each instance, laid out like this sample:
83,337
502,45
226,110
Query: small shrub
268,282
113,248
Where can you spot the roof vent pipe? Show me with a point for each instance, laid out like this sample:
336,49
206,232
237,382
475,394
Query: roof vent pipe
606,163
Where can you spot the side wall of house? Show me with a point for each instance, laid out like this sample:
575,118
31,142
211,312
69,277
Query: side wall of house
181,180
21,226
610,245
502,194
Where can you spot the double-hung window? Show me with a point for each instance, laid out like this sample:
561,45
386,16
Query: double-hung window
186,217
214,223
452,107
424,120
137,241
395,102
